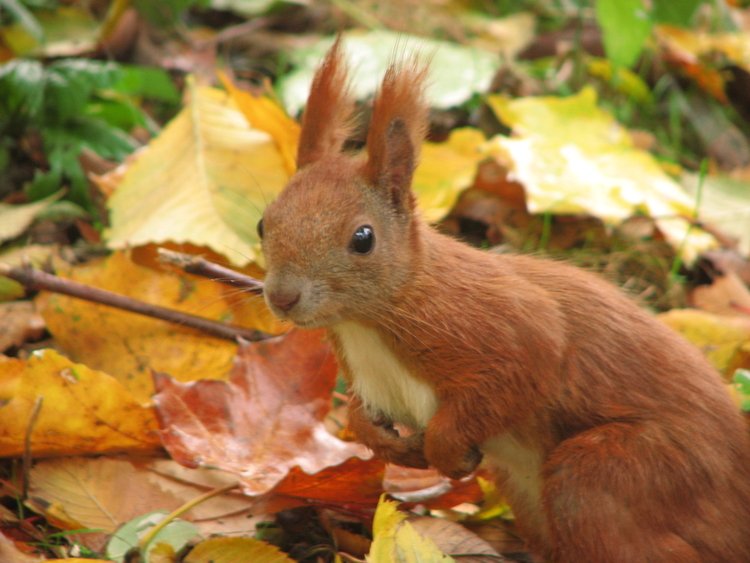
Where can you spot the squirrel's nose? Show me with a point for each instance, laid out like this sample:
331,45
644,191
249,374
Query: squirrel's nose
284,300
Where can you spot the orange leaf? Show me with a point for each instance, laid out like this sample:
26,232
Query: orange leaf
265,421
265,114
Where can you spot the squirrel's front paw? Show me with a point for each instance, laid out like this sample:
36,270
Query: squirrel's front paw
382,438
452,460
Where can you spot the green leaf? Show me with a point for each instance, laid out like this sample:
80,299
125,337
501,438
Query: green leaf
675,12
68,31
24,18
625,27
457,72
246,8
741,381
21,93
117,113
177,534
166,12
71,82
63,144
152,83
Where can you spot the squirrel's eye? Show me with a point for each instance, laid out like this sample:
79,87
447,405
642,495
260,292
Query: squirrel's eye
363,240
260,228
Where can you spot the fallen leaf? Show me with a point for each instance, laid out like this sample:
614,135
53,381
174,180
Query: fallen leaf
458,72
725,203
266,420
727,295
451,537
574,158
395,539
9,553
97,494
231,550
445,170
81,410
265,114
68,31
724,340
21,323
15,219
174,536
204,180
129,346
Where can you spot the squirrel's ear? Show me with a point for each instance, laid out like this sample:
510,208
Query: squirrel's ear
326,122
397,129
398,166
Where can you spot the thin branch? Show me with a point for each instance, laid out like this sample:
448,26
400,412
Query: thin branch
202,267
39,280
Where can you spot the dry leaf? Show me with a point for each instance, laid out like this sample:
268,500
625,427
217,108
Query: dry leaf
395,539
81,410
204,180
9,553
265,421
574,158
99,494
445,170
727,295
20,323
15,219
129,346
724,340
265,114
232,550
452,537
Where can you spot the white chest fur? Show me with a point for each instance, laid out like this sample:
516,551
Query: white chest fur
381,380
522,467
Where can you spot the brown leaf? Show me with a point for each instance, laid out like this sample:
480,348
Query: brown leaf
727,295
20,323
453,539
10,553
264,422
99,494
428,487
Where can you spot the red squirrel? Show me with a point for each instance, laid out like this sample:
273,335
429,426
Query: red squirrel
613,439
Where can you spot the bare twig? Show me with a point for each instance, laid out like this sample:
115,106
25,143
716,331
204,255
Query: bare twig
202,267
36,279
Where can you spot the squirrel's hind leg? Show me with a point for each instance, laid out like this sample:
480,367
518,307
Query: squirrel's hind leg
600,499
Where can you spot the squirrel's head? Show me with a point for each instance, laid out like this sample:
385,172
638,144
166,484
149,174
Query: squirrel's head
342,237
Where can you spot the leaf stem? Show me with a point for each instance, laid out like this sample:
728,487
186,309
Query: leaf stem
152,533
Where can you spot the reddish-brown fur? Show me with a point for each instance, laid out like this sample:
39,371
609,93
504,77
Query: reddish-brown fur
643,456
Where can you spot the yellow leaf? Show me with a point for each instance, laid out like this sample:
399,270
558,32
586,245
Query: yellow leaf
204,180
446,169
82,410
230,550
724,340
573,157
265,114
129,346
15,219
395,540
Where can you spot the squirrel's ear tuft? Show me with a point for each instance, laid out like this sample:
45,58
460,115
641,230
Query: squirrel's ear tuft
326,122
398,127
